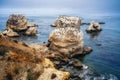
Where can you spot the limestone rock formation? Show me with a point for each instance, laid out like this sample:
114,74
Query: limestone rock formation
67,21
9,32
18,24
53,74
19,61
66,41
94,27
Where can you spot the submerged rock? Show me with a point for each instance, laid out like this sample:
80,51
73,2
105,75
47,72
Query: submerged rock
17,24
94,27
67,21
19,61
101,22
66,42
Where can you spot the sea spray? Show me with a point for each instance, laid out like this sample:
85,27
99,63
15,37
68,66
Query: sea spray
87,74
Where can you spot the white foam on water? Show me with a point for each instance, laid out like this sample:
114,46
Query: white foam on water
87,74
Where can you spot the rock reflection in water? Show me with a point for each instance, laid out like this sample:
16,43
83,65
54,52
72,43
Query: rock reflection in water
94,35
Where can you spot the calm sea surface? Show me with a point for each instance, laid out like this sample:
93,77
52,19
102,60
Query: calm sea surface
105,58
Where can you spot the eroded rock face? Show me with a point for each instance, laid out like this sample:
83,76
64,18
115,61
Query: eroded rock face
66,41
53,74
18,24
18,61
9,32
94,27
67,21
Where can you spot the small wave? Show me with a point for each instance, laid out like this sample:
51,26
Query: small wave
87,74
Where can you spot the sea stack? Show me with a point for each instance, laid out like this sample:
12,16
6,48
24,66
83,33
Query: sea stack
66,41
67,21
18,25
94,27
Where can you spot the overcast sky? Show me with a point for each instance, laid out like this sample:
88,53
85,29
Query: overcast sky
60,6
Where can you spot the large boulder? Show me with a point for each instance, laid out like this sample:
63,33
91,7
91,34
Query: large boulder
94,27
67,21
9,32
66,41
19,61
18,24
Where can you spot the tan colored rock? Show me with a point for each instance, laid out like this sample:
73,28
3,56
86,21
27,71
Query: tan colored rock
22,49
67,21
18,61
50,73
9,32
94,27
43,48
31,31
48,64
19,24
40,47
53,74
67,41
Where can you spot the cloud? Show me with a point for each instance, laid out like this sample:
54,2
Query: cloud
58,3
37,11
62,6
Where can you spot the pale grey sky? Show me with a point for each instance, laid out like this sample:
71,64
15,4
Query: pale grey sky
60,6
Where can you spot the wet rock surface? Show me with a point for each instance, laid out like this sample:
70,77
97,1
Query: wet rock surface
18,25
67,21
87,50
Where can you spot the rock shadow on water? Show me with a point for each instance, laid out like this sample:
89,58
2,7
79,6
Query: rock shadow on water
93,35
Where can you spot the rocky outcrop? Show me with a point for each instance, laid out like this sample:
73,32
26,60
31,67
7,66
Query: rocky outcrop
17,25
9,32
94,27
66,41
87,50
67,21
19,61
53,74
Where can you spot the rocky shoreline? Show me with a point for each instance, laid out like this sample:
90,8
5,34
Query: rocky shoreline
51,61
19,61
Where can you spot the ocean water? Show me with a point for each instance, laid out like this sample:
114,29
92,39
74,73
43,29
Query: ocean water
105,58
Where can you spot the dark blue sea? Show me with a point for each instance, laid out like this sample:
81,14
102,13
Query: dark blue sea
105,58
